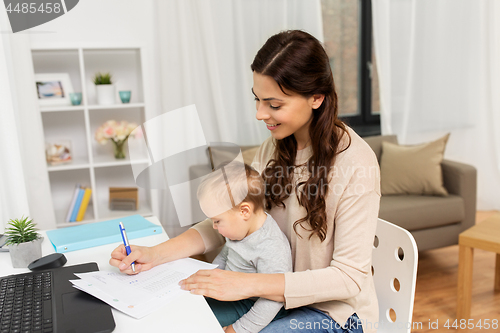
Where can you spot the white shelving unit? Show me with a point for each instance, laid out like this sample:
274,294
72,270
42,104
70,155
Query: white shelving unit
93,164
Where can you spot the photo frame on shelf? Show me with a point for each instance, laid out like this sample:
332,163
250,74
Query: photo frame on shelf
53,89
58,152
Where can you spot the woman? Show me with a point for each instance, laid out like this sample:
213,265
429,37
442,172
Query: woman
323,189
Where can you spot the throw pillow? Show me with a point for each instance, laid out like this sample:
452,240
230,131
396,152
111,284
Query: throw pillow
413,169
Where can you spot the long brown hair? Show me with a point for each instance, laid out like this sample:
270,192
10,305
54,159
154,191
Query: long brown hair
298,63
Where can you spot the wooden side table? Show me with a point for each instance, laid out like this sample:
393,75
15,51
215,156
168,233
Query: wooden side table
484,236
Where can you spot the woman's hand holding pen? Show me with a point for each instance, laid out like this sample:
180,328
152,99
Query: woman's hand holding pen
144,258
186,244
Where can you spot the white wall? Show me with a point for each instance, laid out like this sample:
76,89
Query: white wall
101,22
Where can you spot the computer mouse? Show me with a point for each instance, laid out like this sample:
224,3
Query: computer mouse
53,260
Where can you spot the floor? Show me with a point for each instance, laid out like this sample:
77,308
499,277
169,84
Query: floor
435,296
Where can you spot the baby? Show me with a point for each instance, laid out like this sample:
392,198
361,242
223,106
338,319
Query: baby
233,197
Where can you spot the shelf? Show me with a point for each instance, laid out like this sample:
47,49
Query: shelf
106,214
77,163
62,108
61,217
116,106
90,107
107,161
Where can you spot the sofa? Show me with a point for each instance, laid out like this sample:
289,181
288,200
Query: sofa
434,221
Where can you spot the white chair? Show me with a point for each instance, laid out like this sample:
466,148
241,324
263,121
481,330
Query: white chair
394,269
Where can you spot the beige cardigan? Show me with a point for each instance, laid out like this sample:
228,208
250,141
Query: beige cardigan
334,275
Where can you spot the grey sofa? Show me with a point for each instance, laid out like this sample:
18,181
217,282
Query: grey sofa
434,221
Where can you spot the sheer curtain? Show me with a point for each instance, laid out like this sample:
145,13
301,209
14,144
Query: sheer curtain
24,183
439,72
206,48
13,194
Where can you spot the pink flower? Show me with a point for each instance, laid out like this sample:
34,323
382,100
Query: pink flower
109,132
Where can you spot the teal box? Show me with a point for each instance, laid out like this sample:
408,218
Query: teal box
101,233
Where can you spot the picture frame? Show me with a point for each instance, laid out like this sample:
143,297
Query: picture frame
53,88
58,152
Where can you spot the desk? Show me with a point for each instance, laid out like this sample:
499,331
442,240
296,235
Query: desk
177,316
484,236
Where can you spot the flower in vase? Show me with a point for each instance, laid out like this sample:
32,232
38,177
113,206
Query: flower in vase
117,133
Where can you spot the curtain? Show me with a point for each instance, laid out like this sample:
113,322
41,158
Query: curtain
206,48
24,183
439,71
13,194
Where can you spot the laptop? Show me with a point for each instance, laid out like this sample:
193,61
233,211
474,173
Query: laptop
45,301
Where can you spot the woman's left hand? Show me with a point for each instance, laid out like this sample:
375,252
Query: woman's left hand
219,284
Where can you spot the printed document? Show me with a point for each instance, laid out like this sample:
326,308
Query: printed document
141,294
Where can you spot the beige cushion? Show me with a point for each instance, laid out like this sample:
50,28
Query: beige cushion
413,169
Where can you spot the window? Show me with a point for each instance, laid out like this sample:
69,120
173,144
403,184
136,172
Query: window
347,26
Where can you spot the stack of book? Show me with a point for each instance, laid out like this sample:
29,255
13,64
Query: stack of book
79,203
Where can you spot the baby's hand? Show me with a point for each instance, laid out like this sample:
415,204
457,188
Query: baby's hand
229,329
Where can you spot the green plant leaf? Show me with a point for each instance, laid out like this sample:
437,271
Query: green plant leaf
21,231
102,78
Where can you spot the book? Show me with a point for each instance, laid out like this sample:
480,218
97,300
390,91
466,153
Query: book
73,201
84,204
99,233
77,204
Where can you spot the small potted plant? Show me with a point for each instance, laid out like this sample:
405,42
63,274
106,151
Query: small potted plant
25,244
105,88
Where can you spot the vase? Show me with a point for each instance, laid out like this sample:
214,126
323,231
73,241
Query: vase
119,149
24,254
105,94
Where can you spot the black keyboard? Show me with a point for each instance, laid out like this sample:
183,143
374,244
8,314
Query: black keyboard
26,303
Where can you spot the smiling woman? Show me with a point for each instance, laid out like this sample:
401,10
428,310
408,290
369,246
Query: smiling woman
329,226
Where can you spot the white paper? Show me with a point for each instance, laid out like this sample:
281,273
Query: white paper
141,294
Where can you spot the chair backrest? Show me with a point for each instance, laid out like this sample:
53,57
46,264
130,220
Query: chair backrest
394,269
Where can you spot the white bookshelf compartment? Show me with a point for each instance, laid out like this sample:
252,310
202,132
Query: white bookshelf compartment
62,187
59,61
103,154
118,176
124,66
93,164
70,126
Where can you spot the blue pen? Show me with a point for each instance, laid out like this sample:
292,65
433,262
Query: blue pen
125,242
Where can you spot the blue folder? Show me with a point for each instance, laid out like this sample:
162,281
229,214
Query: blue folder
100,233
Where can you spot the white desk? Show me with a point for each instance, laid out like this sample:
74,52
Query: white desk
188,313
